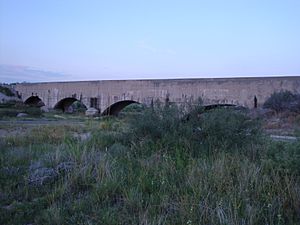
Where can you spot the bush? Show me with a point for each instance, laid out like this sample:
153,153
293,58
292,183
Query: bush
6,91
156,122
284,157
8,112
283,101
133,108
33,111
227,130
78,106
12,110
8,104
201,132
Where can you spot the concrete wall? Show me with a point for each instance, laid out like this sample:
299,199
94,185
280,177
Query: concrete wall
239,91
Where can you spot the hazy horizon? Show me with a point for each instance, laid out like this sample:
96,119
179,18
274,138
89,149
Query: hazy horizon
43,41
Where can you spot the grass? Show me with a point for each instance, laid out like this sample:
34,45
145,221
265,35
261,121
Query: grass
134,171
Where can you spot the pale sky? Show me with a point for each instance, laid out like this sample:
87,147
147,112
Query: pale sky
53,40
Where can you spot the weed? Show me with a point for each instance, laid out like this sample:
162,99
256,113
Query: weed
283,101
158,167
7,91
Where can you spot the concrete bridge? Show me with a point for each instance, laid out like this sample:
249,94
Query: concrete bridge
111,96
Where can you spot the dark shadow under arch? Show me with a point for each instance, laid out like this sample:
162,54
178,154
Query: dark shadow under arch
214,106
206,108
34,101
65,103
115,108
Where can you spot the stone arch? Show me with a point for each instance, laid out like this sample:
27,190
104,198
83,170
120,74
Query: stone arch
35,101
65,103
115,108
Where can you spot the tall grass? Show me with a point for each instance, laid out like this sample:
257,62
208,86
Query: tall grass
156,168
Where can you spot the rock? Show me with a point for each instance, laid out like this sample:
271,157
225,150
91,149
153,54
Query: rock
22,115
82,137
92,112
44,109
42,176
65,167
35,165
283,138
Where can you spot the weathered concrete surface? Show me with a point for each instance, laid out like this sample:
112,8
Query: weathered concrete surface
239,91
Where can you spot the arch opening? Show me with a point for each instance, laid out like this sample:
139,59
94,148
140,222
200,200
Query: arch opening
34,101
116,108
225,106
206,108
214,106
70,105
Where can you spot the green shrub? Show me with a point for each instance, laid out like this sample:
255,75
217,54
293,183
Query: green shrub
6,91
78,106
284,157
169,129
154,123
9,104
227,129
282,101
8,112
133,108
33,111
11,109
103,140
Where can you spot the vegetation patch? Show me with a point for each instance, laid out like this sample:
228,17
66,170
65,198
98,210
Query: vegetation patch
156,166
283,101
6,91
12,109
